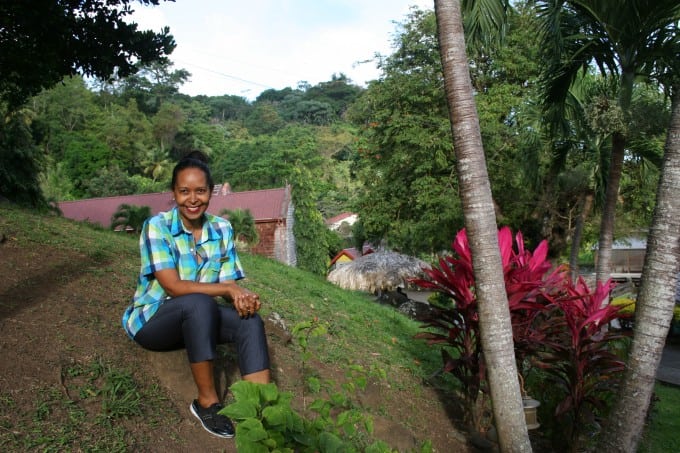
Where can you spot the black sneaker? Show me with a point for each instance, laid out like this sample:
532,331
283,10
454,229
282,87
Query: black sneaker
213,422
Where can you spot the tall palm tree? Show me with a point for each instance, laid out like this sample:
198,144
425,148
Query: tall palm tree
130,216
656,297
622,38
576,136
480,221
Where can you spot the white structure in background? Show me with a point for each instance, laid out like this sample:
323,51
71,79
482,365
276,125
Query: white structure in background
334,223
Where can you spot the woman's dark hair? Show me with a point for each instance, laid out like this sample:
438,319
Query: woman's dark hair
194,159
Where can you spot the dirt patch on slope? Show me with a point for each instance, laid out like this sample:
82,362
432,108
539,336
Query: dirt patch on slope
60,328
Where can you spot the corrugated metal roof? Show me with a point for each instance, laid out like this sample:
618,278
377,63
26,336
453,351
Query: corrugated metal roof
265,205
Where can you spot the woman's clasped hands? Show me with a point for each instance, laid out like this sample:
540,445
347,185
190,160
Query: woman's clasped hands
246,302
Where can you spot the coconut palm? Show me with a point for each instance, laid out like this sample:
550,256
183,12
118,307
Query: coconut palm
480,219
130,216
156,163
656,297
622,38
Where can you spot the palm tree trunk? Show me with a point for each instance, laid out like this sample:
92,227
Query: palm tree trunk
655,302
480,222
606,240
586,206
604,250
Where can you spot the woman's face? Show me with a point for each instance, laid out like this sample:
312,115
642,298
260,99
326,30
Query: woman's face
192,196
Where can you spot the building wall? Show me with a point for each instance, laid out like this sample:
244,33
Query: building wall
266,245
275,242
628,260
291,246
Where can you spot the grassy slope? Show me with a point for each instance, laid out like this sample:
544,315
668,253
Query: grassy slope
358,330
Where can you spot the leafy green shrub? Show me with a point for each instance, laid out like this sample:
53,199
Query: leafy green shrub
266,421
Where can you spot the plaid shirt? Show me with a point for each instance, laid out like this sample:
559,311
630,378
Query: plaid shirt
165,244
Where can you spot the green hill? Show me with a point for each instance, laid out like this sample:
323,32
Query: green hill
71,380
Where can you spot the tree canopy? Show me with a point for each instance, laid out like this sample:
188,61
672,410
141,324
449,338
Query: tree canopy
43,41
383,151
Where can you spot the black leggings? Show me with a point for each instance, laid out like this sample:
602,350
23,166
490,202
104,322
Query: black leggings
198,323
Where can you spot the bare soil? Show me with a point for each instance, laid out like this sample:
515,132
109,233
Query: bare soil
60,313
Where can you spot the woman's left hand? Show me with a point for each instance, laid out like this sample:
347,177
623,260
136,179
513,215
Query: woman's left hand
246,302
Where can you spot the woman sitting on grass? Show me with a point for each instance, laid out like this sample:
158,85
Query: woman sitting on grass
188,258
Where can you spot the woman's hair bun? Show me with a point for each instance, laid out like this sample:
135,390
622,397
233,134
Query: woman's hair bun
196,155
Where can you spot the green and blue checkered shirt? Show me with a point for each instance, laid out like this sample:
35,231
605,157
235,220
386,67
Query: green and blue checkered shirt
165,244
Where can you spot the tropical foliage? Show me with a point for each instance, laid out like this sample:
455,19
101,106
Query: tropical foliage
392,164
44,42
600,72
559,327
334,421
625,41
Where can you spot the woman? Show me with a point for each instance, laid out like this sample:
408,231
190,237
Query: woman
188,258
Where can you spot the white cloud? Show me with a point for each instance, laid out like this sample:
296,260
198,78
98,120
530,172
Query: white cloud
242,48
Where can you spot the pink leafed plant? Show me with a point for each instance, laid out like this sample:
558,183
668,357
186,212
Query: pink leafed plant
558,325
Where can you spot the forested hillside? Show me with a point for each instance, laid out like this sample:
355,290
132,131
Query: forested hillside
383,151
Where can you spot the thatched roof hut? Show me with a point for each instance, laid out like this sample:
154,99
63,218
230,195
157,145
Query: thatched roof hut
378,271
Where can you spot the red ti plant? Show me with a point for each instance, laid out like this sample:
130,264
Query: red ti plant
558,326
457,325
531,284
578,355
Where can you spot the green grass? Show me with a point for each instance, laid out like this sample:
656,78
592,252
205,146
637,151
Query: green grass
359,331
88,412
663,430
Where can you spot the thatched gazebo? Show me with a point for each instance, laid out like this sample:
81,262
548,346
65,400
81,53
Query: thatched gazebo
378,271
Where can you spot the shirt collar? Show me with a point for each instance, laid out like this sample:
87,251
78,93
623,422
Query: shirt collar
177,227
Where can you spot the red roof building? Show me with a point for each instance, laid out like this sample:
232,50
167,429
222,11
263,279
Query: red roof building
272,210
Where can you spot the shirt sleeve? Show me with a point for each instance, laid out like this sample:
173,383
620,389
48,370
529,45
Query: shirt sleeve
155,250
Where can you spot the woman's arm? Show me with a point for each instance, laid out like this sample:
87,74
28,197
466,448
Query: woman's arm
245,302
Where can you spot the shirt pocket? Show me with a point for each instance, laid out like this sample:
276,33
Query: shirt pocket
210,271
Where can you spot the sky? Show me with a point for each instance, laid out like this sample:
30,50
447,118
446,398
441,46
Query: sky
242,48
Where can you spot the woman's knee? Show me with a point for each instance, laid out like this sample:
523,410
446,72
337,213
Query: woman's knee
199,305
252,327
